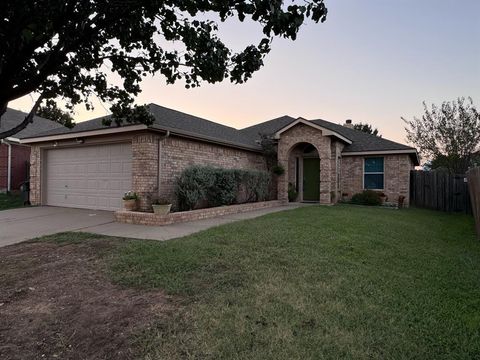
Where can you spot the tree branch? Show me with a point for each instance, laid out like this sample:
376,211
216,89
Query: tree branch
28,119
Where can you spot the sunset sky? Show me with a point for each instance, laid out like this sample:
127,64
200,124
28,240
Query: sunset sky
371,61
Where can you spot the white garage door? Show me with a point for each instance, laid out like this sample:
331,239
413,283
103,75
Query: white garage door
91,177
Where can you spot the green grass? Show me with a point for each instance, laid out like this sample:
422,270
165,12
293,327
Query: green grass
10,201
315,282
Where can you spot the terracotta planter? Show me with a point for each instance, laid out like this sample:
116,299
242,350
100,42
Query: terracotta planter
130,205
161,209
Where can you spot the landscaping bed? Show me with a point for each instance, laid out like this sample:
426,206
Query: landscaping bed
143,218
10,201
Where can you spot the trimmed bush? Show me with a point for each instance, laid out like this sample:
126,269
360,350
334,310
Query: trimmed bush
367,197
200,186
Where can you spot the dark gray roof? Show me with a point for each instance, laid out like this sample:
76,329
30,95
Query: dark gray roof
12,118
182,123
175,121
360,141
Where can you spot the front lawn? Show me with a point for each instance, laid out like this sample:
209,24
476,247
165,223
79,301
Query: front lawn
310,283
9,201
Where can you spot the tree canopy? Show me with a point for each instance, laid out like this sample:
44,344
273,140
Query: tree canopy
67,48
366,128
52,112
447,135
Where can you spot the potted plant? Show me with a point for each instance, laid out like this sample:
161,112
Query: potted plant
130,199
161,206
401,200
278,170
292,193
383,197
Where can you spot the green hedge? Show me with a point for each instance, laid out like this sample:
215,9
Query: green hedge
367,197
206,186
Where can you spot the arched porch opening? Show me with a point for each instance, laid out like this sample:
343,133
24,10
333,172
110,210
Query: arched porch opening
303,173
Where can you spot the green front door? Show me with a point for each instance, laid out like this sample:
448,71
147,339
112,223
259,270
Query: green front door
311,179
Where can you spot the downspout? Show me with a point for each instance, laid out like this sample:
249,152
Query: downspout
9,168
160,140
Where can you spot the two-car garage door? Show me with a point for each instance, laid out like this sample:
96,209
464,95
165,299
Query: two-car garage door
91,177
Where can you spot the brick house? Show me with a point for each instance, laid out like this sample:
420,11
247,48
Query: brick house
14,156
92,165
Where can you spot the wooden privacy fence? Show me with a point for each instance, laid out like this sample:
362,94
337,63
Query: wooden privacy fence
440,191
473,176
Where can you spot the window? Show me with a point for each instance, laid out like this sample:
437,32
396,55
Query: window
373,174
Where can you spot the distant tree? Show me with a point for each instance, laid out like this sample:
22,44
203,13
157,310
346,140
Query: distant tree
52,112
447,135
68,48
366,128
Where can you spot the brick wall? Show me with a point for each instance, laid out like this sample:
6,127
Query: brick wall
20,156
178,154
145,168
396,179
288,140
35,175
142,218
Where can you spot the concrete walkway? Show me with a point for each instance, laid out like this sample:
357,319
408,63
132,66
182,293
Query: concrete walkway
17,225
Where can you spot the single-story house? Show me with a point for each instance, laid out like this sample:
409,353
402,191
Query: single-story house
14,156
92,165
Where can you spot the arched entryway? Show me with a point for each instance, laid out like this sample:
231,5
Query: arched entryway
304,172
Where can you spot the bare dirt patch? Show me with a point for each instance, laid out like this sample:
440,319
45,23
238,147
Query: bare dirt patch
56,301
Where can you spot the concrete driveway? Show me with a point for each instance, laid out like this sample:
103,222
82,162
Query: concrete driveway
27,223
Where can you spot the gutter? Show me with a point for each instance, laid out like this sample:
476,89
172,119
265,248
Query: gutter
9,168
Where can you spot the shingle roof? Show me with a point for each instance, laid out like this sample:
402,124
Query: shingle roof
12,118
182,123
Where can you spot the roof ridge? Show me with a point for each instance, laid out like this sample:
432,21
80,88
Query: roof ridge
268,121
190,115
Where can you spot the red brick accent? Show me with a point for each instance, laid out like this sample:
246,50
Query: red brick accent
142,218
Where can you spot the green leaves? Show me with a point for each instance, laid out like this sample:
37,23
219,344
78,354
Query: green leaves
67,49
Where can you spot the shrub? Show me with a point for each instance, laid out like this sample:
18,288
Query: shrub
192,185
206,185
367,197
223,189
292,192
256,184
278,170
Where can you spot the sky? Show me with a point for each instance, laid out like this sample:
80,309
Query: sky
372,61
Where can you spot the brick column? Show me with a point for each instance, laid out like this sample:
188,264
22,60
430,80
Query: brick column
324,152
35,175
282,180
145,168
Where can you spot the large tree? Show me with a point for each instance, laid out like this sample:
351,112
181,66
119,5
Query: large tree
447,135
52,112
366,128
67,48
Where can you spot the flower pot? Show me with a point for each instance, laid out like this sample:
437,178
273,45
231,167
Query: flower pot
130,205
161,209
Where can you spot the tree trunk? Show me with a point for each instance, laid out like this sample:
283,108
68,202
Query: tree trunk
28,119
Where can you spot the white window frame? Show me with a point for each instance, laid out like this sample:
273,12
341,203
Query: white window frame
373,173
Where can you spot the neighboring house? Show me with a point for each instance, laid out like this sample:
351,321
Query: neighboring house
15,157
92,165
